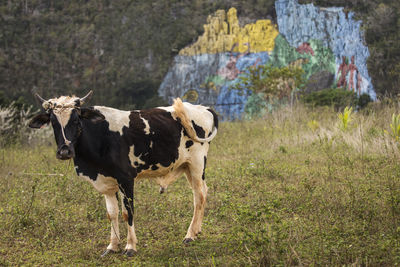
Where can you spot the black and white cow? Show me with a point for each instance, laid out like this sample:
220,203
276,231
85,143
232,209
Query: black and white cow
111,148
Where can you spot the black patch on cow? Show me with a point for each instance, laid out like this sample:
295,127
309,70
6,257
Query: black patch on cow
184,130
136,163
154,167
165,136
215,117
199,131
204,168
101,151
188,143
91,114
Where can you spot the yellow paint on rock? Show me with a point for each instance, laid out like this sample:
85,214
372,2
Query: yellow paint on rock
223,31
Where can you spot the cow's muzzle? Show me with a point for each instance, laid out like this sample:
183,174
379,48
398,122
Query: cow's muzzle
65,152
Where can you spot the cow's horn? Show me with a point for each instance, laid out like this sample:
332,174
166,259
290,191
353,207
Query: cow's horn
38,97
86,97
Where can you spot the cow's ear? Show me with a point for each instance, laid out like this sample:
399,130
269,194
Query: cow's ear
92,115
39,120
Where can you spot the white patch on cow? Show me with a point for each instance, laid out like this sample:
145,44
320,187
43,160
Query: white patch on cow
62,102
201,116
62,107
151,144
146,123
103,184
169,108
112,211
133,158
117,119
63,115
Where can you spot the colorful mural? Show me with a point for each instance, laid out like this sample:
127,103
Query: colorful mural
320,41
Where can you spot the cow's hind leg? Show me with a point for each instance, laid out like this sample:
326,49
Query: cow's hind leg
195,176
127,213
112,214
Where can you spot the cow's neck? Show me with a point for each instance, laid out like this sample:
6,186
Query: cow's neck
95,143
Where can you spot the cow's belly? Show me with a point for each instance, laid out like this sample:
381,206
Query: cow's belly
149,173
103,184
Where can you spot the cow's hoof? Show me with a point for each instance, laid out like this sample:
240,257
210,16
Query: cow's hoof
108,251
129,252
186,241
162,189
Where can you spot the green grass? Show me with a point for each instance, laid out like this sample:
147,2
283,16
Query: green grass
280,193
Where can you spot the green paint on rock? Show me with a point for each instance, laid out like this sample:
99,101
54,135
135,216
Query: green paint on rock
284,55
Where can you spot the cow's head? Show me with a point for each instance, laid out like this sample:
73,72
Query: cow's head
65,114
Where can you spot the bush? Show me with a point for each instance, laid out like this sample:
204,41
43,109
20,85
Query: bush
339,98
363,100
14,126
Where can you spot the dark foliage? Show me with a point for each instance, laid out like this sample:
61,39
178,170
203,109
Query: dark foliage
119,49
338,98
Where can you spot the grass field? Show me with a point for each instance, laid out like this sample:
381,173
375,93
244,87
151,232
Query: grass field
293,188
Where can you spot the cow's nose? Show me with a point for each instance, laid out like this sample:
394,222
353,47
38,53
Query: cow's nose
64,152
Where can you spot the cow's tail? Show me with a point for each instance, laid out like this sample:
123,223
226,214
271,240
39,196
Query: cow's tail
187,124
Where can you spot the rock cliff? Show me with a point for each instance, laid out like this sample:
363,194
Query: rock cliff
326,42
337,31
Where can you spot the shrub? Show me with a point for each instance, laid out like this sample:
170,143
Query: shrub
363,100
14,126
272,82
338,98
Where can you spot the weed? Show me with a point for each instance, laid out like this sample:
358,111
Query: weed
313,125
395,127
345,118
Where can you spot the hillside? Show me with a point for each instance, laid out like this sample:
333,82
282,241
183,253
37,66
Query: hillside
123,49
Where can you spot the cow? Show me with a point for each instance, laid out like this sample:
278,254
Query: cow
112,148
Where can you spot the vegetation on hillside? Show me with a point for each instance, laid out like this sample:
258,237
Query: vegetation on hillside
295,188
119,49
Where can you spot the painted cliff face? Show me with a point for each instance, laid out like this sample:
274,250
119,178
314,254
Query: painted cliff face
326,43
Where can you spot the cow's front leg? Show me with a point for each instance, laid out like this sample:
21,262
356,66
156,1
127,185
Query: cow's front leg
127,213
112,214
